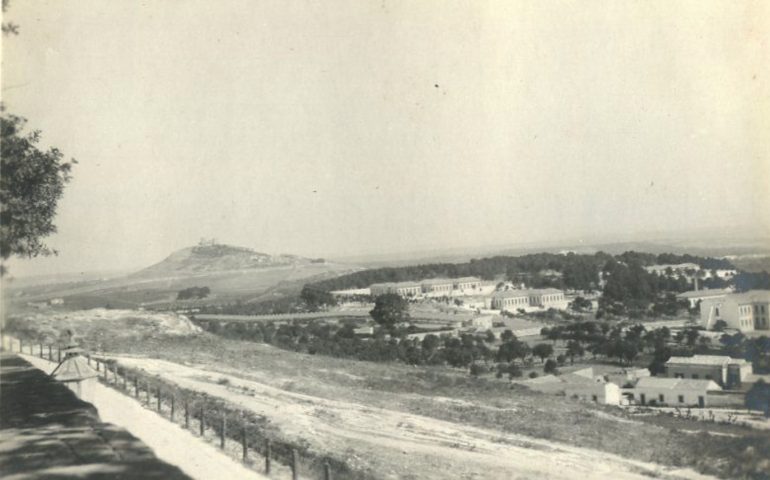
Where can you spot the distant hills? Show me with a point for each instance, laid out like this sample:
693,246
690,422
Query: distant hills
232,274
212,258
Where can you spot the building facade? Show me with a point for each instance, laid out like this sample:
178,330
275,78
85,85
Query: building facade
405,289
746,312
675,392
437,286
513,300
466,283
725,371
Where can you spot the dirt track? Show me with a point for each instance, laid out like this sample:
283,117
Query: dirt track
402,445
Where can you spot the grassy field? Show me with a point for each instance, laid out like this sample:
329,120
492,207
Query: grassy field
445,394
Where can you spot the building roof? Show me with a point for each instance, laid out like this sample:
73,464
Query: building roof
714,292
467,279
511,293
526,293
437,281
751,296
677,384
706,360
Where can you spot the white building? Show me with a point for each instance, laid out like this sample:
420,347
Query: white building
724,370
674,270
405,289
581,385
746,312
696,296
437,286
597,392
672,391
529,300
467,283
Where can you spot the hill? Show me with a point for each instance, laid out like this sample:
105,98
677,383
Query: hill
232,274
217,258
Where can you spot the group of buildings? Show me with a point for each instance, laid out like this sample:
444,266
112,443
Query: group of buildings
432,286
697,381
746,312
690,271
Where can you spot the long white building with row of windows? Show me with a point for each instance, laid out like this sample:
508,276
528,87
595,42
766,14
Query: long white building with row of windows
747,312
432,286
513,300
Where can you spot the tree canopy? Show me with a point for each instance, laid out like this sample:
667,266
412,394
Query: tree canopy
390,309
31,185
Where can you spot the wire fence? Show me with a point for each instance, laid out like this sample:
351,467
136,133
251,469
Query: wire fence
241,433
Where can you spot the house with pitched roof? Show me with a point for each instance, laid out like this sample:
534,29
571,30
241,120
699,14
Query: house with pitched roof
726,371
673,392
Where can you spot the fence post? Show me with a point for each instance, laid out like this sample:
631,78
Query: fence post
268,451
41,350
50,355
21,350
58,354
203,419
223,431
136,387
173,397
327,470
186,414
125,379
159,400
294,472
244,445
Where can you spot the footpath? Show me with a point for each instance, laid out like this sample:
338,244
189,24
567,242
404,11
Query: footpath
47,432
169,442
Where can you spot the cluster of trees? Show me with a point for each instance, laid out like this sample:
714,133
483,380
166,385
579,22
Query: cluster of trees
578,271
316,298
632,291
745,281
322,338
193,293
647,259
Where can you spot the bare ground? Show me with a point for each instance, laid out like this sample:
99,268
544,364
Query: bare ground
403,445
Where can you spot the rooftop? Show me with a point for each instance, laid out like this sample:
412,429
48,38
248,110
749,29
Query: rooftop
677,384
706,360
526,293
714,292
467,279
751,296
437,281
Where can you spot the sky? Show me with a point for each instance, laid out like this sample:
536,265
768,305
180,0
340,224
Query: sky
356,127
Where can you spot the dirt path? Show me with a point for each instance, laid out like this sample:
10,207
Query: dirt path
168,441
401,445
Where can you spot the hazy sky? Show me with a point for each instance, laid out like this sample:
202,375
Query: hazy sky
339,128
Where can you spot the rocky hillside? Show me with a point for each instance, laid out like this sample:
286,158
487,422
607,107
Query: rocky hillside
217,258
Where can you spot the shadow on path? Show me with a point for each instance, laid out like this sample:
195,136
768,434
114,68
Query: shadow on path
46,432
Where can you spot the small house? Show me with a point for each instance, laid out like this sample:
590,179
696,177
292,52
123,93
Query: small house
672,391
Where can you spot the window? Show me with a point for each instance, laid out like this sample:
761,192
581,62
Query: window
594,398
661,398
695,376
681,398
708,377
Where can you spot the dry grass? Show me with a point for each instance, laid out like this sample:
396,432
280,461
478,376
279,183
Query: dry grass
452,395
